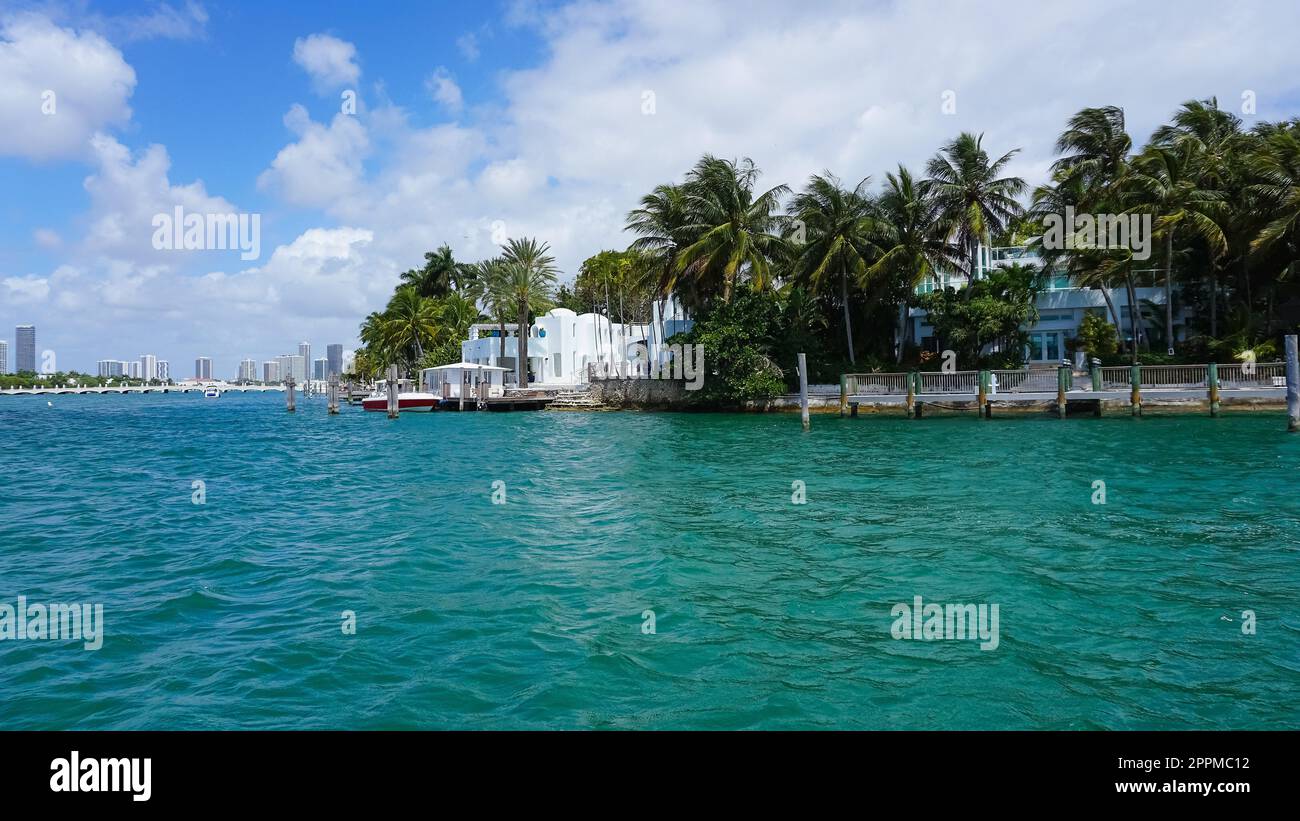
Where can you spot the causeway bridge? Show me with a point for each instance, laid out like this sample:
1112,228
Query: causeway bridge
56,390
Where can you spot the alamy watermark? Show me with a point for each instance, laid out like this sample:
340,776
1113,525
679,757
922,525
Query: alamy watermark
1103,232
685,362
181,231
51,622
932,622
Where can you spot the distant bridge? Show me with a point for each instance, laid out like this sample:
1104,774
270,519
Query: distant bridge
56,390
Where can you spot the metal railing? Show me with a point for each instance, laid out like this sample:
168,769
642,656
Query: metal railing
889,384
1044,380
955,382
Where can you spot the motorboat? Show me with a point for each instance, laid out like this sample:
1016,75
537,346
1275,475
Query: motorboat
408,401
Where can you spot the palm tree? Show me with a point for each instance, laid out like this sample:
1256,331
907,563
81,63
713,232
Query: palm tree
1162,183
408,324
1089,176
1212,139
838,226
733,229
661,222
440,272
913,238
1096,147
456,313
529,277
1276,167
971,194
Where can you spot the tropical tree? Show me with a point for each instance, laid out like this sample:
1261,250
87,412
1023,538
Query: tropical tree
408,325
971,194
1163,184
912,236
441,272
838,227
528,277
734,229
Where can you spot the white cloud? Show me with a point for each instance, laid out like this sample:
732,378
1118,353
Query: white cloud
59,87
47,238
468,45
127,192
331,62
163,22
443,88
325,163
26,290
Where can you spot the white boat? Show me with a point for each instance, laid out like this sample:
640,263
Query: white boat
212,393
408,401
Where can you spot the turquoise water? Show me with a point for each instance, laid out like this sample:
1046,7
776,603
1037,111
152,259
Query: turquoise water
529,614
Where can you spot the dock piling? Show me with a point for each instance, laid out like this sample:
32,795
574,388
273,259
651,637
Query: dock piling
1135,396
333,394
1062,385
911,394
1292,384
1212,382
803,391
844,395
289,404
391,385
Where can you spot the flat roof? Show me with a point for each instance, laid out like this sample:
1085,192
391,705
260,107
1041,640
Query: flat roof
466,366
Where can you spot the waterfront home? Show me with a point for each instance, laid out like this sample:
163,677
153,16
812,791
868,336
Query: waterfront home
562,344
1061,306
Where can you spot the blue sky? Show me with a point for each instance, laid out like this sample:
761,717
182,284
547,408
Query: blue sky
525,118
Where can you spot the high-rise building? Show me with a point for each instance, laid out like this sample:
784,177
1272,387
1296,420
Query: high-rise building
164,371
133,370
247,371
110,367
4,356
320,368
25,348
203,368
334,353
271,371
148,367
292,367
304,350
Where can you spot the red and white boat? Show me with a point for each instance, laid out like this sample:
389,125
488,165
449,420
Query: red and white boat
408,401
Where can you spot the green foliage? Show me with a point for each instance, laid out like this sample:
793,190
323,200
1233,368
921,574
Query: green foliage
993,311
737,341
1096,336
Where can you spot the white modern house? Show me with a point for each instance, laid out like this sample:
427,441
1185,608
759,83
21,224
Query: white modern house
561,344
1060,308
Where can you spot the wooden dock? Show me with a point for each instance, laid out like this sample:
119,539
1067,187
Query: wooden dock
1060,388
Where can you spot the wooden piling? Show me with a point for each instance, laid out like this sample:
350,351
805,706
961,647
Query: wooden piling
1135,395
803,392
393,407
1062,382
844,395
911,394
1212,383
333,395
1292,384
289,404
982,397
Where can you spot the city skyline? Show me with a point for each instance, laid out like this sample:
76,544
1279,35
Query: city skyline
149,365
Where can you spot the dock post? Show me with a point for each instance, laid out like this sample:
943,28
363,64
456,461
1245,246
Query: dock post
1292,384
334,394
1095,372
982,397
393,406
1135,396
1212,382
911,394
844,395
289,403
803,391
1062,381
